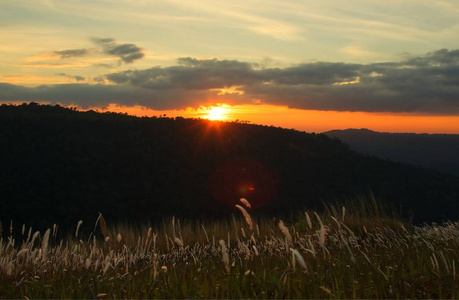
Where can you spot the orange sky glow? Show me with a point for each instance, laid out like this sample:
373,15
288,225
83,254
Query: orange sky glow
307,120
321,65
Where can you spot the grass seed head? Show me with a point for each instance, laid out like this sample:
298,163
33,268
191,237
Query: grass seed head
285,231
308,220
78,227
299,258
245,202
225,255
44,245
246,215
103,226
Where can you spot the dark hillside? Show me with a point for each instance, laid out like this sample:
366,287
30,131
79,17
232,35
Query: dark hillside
437,151
60,165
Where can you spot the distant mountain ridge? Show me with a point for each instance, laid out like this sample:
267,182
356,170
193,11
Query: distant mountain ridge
437,151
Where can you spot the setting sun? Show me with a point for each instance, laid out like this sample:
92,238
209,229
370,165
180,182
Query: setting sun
217,113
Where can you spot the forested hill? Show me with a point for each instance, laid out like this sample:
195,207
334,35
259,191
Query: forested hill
438,151
60,165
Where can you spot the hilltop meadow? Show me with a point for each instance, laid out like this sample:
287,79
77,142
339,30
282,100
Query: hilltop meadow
105,205
342,253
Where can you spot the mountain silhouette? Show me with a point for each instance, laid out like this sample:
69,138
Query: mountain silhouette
437,151
60,165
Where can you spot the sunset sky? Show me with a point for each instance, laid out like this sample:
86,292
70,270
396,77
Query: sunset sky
387,65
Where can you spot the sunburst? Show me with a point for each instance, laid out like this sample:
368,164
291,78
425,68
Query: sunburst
217,113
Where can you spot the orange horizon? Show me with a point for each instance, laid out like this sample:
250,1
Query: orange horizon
303,120
308,120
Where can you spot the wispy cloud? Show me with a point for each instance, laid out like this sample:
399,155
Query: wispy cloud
77,77
127,53
72,53
358,51
245,17
58,64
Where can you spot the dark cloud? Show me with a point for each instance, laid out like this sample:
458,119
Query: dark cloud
128,53
100,95
77,77
316,73
72,53
102,41
424,84
189,74
440,57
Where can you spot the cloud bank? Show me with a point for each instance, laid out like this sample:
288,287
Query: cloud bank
423,84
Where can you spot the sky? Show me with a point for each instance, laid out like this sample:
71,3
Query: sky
386,65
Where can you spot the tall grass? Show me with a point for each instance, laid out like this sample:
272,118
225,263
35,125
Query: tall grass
341,253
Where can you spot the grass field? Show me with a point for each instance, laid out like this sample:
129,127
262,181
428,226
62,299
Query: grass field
352,252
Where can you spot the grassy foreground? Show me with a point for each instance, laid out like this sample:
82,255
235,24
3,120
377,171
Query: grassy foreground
353,253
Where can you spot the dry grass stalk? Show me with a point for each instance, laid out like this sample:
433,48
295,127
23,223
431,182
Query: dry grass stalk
454,269
225,255
296,255
148,236
103,226
245,202
285,231
308,220
55,227
322,232
44,245
176,240
22,251
312,249
205,233
27,259
326,290
78,227
28,234
246,215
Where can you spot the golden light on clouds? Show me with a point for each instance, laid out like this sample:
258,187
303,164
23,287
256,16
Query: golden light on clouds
232,51
229,90
33,80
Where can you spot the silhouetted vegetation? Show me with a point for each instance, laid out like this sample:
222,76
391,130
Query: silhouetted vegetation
59,165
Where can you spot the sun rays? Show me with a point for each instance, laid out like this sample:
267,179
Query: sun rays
217,113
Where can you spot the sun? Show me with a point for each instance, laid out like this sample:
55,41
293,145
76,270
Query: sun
217,113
